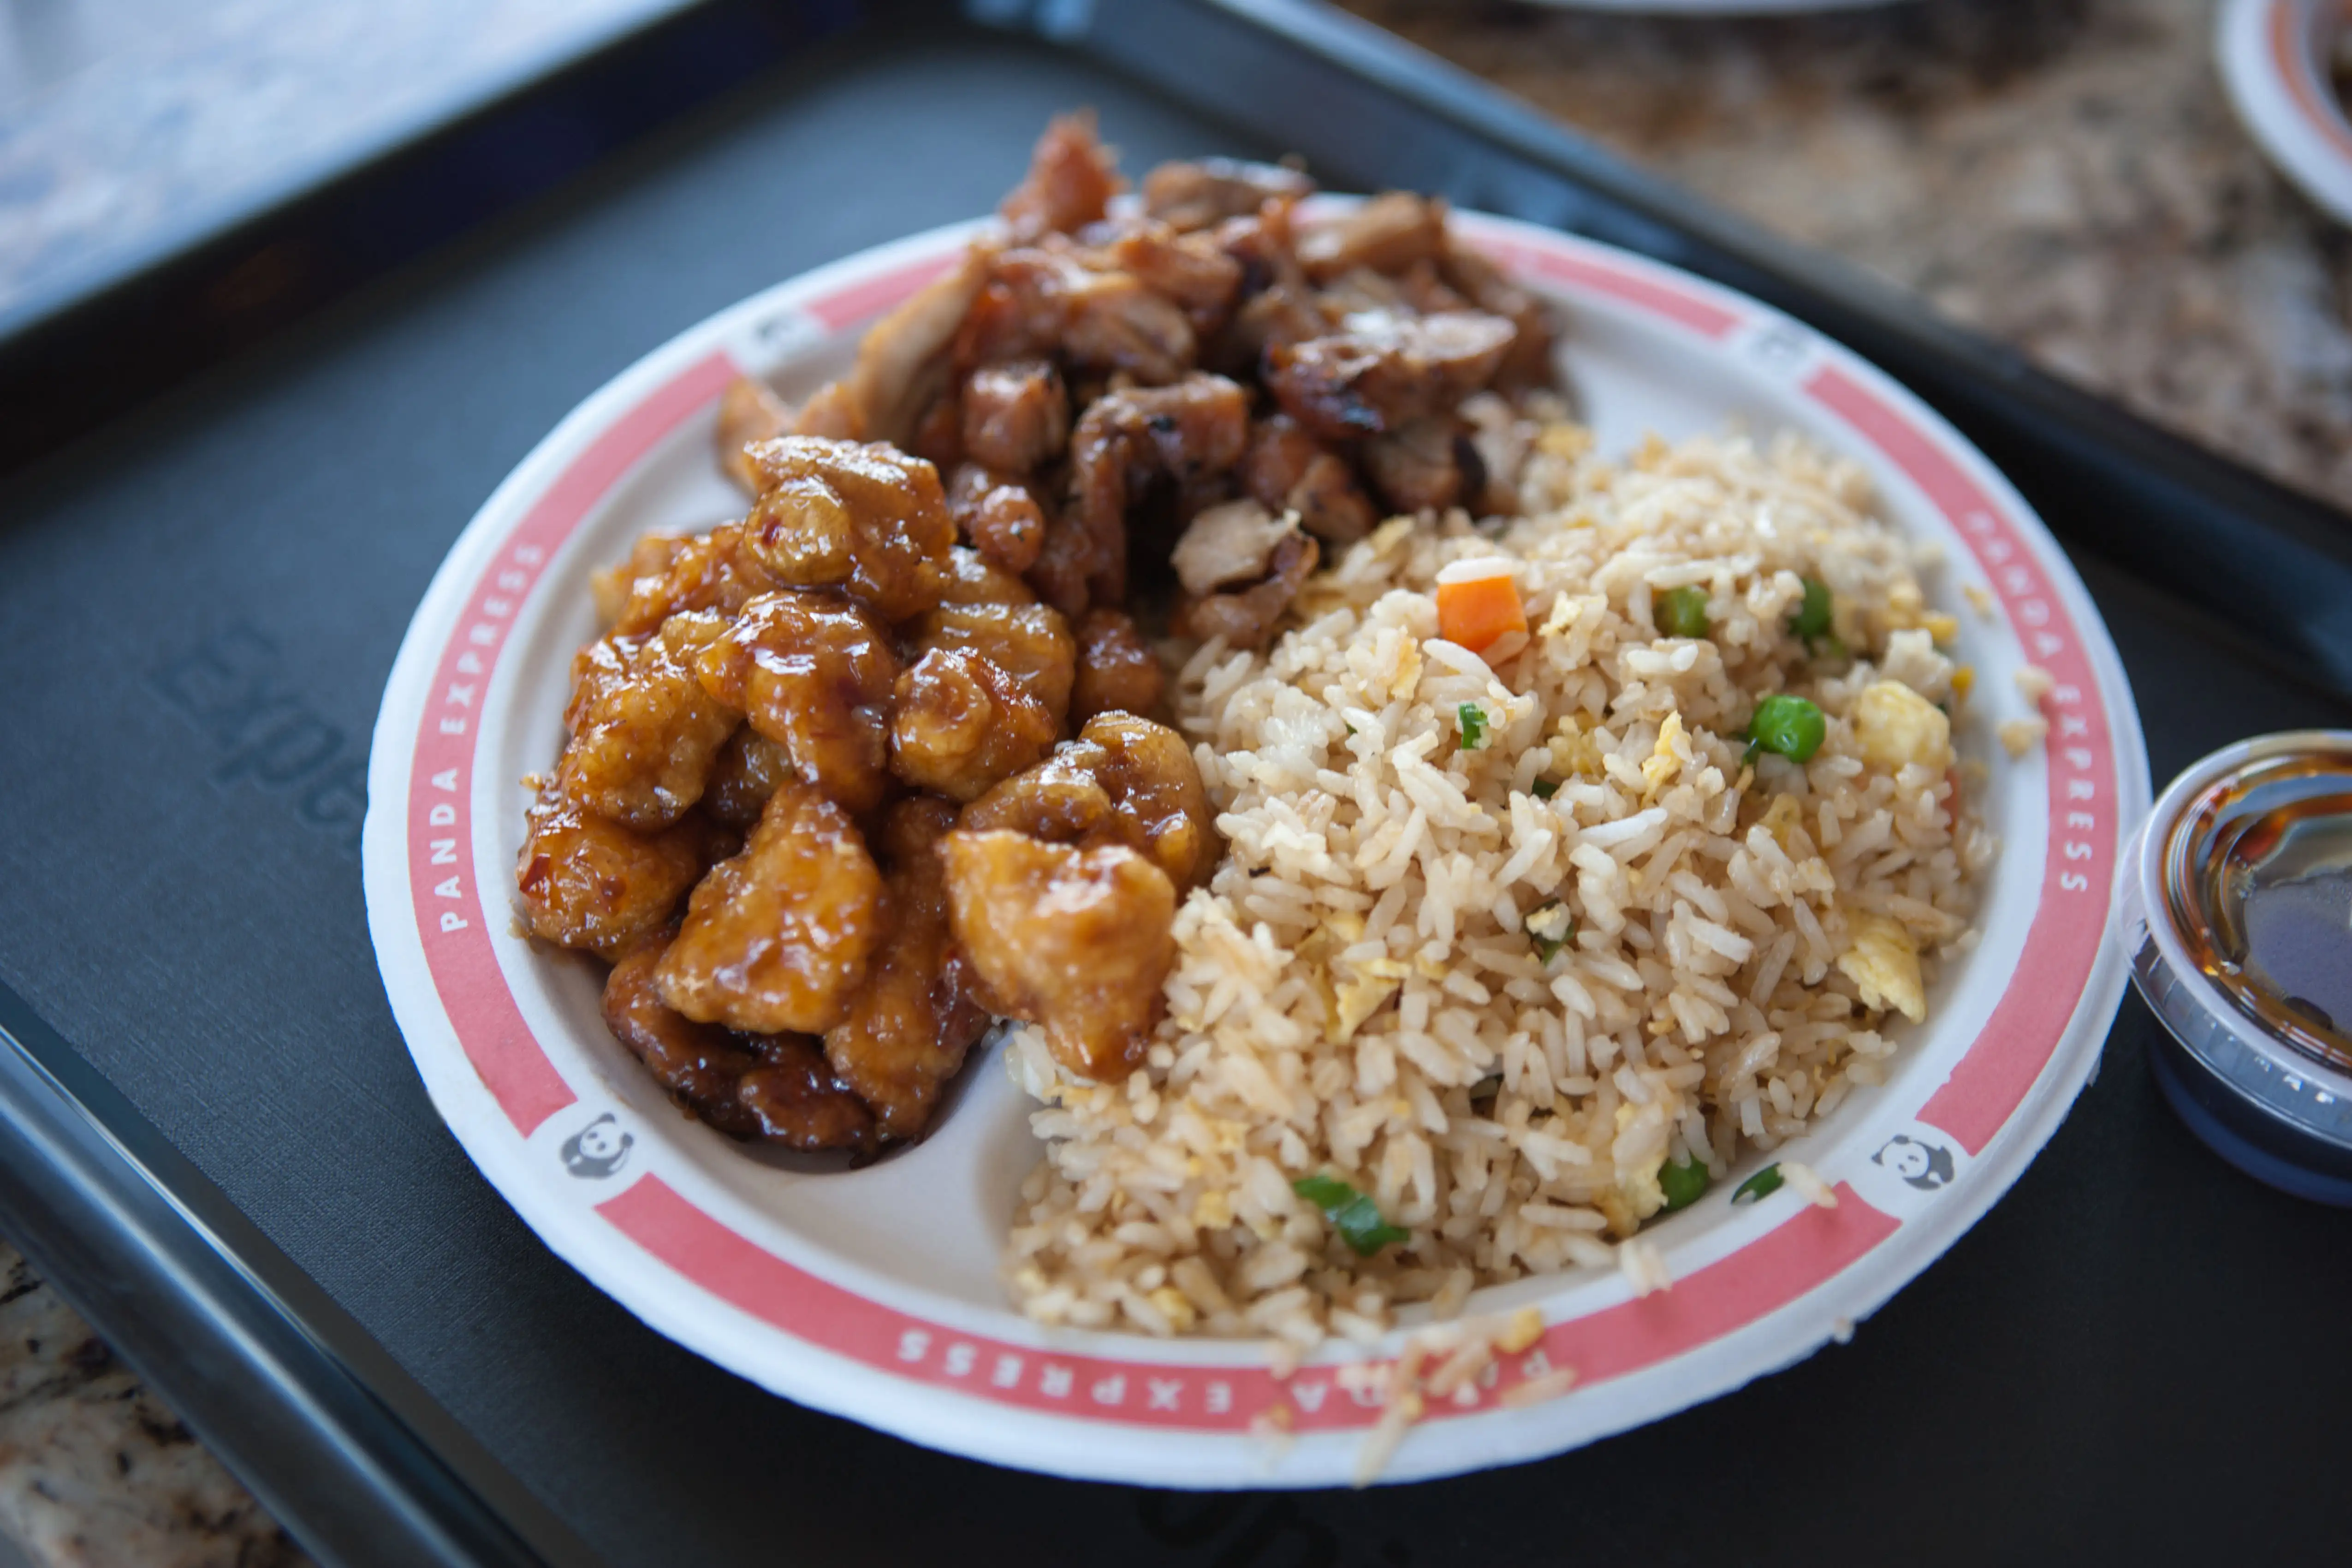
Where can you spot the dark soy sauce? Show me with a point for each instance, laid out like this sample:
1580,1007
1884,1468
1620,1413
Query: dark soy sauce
2275,879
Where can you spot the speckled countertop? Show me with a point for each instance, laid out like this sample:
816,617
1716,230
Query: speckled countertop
2062,174
2065,175
94,1471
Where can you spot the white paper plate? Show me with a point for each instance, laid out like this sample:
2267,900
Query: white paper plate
2272,56
874,1293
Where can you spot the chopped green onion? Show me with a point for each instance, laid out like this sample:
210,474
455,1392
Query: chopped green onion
1683,1181
1763,1184
1788,725
1550,928
1812,618
1544,789
1355,1217
1681,612
1474,726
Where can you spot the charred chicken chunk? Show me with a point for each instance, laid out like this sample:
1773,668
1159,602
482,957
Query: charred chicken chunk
1043,302
814,673
1189,270
645,733
748,412
777,938
593,884
1197,428
1076,940
916,1017
1118,671
1246,617
1031,643
1016,416
903,365
671,574
1386,369
1188,196
1286,469
1387,234
1071,180
1483,283
999,515
962,724
1125,779
1230,543
1425,463
866,519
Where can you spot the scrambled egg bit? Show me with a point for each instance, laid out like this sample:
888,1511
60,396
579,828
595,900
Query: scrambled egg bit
1883,964
1894,725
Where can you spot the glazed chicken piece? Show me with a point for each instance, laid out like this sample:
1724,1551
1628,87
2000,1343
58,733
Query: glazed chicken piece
1246,617
1016,417
1118,671
1031,643
777,938
814,673
1193,430
1125,779
916,1017
645,733
971,578
794,1098
1188,196
961,724
1386,369
748,769
866,519
773,1086
1076,940
670,575
1000,516
700,1064
1071,180
748,412
1387,234
595,884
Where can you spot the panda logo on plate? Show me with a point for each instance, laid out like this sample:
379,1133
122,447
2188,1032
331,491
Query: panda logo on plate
1927,1166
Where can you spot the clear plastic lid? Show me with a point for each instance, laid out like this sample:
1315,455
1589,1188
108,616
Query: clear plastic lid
2237,900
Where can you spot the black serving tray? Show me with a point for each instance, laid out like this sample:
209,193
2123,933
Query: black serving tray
219,1150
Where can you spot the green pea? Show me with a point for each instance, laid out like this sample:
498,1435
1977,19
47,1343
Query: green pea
1681,612
1812,616
1683,1181
1788,725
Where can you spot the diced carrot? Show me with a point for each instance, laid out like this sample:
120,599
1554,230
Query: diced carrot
1481,612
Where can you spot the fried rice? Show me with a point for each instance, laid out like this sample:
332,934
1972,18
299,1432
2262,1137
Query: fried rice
1498,947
